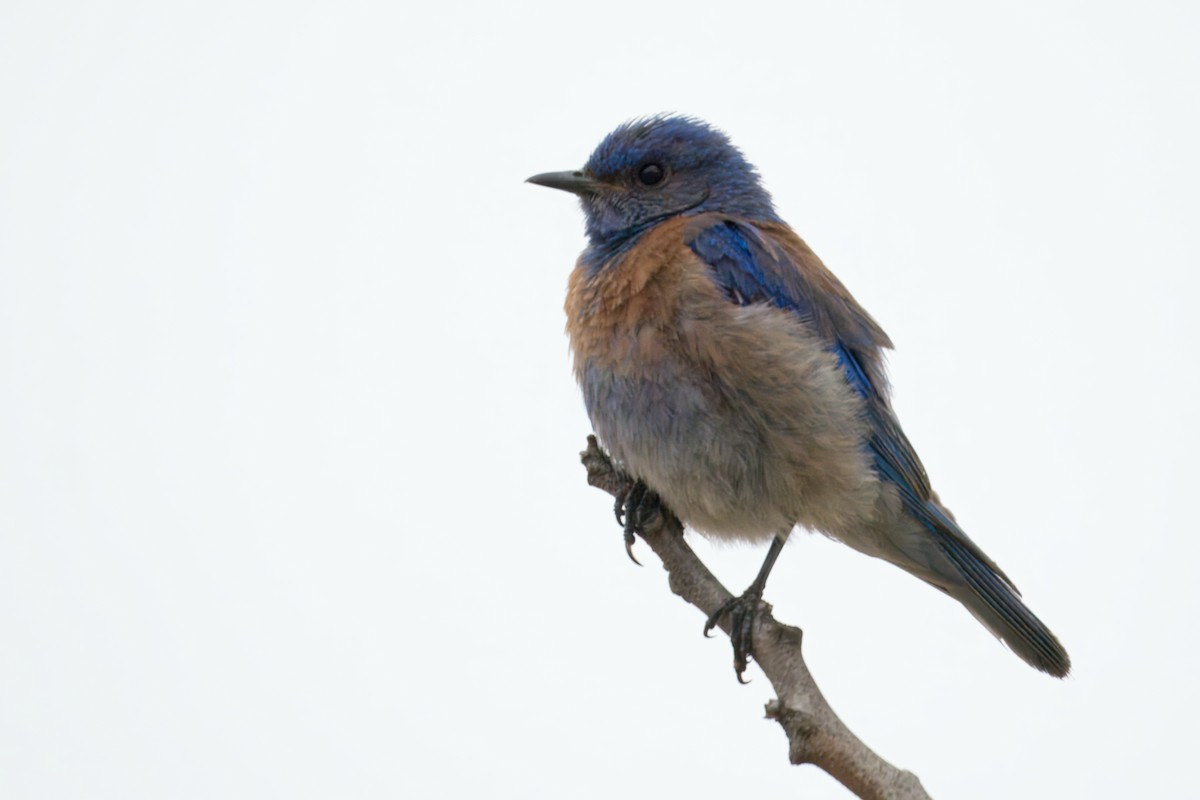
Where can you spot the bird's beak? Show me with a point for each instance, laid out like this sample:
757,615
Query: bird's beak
574,182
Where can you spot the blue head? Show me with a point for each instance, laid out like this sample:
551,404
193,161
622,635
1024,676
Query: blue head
650,169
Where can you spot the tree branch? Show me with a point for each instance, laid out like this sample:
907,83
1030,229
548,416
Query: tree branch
815,734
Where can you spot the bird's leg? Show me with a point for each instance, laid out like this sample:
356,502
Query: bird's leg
636,507
742,610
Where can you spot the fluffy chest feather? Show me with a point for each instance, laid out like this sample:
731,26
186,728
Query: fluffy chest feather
737,416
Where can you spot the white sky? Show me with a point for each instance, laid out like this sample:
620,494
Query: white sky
289,496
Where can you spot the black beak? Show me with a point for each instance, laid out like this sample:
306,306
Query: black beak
574,182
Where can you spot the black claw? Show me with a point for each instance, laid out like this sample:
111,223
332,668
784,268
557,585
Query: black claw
715,617
629,540
635,507
619,506
742,611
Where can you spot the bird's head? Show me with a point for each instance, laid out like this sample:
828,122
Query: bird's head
650,169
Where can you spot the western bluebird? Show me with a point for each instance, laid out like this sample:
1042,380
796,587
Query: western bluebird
726,369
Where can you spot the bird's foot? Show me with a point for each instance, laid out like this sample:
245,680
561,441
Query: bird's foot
636,508
742,611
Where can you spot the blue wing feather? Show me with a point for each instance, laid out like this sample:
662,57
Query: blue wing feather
744,266
750,270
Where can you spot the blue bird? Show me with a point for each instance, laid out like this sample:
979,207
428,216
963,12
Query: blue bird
726,369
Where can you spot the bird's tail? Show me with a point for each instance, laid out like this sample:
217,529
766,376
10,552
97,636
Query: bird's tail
995,602
935,549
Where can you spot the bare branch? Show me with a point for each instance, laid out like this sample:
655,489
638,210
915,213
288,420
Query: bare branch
815,733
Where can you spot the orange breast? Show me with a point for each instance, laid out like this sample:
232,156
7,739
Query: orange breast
624,313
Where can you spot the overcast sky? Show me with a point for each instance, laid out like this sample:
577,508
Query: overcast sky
290,502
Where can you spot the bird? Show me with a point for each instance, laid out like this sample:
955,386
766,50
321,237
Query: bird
727,370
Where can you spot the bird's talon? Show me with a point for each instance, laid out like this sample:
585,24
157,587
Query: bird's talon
715,618
635,506
629,540
742,611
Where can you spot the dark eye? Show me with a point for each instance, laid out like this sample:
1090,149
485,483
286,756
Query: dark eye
651,174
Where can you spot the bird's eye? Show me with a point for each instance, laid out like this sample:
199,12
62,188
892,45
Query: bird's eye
651,174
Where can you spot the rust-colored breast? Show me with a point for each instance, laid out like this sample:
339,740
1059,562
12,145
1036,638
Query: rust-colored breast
614,312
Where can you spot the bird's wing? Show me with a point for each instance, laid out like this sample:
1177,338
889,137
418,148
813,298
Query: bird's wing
767,263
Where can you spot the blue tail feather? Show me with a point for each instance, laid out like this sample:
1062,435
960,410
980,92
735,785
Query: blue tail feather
1019,627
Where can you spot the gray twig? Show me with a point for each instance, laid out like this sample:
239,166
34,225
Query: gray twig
815,733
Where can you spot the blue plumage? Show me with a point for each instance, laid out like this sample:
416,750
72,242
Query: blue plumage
728,369
749,273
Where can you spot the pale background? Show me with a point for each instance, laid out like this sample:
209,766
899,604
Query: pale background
290,504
